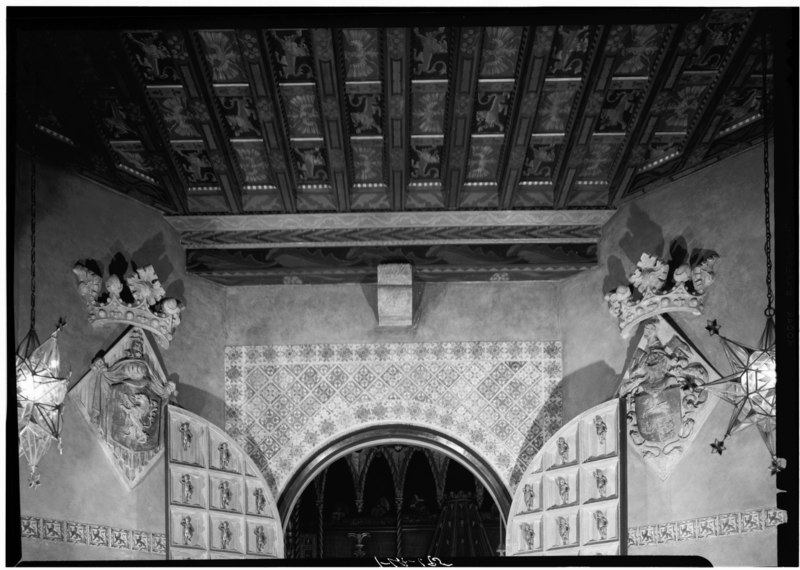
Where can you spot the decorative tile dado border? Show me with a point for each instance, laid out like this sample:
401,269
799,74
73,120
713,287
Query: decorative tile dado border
90,534
707,527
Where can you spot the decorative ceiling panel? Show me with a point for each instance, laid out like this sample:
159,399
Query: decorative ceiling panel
291,113
362,54
500,49
291,53
540,160
556,102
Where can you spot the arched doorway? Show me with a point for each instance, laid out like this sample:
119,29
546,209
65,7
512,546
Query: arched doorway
404,439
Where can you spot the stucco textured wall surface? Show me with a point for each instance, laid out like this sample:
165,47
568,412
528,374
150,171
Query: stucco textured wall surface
719,208
77,220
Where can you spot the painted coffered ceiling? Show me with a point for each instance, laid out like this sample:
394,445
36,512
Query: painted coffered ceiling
285,146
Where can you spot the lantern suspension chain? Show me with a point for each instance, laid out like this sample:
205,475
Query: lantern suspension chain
769,311
33,243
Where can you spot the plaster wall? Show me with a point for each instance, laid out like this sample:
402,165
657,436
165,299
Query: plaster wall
720,208
345,313
77,220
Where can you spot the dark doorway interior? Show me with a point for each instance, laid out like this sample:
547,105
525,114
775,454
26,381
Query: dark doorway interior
394,500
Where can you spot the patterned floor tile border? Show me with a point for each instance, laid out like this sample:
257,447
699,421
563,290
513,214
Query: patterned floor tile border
284,402
707,527
90,534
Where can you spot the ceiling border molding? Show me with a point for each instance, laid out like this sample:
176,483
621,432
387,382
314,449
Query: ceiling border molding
389,237
390,220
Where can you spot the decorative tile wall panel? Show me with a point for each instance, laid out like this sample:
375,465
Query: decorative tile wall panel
284,402
727,524
90,534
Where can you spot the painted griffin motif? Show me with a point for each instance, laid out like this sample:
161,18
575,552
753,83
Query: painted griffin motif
115,120
541,155
153,52
431,46
310,163
493,117
293,50
575,42
422,165
241,115
616,115
197,167
364,120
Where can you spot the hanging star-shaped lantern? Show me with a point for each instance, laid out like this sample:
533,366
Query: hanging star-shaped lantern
40,398
750,388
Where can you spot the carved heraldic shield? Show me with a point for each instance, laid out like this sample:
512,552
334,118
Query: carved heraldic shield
123,397
666,402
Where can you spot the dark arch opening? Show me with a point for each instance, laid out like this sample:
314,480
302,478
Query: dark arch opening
391,434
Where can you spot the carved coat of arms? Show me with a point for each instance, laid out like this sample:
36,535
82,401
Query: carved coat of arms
667,405
123,398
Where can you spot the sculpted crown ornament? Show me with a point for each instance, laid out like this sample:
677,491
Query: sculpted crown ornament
150,309
654,295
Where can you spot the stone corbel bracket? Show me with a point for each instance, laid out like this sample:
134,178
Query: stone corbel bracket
395,295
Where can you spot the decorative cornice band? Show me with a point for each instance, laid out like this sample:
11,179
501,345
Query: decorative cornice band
727,524
390,220
354,237
90,534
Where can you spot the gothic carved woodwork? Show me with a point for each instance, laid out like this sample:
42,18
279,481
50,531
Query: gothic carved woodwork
667,405
439,463
575,506
123,398
359,462
220,505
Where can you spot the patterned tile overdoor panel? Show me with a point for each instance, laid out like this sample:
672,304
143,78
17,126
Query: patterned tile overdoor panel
219,505
571,500
283,403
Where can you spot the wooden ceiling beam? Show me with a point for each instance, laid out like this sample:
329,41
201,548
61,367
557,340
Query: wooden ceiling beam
331,92
565,175
268,123
284,166
700,137
528,92
622,172
466,67
220,151
396,84
693,147
153,137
